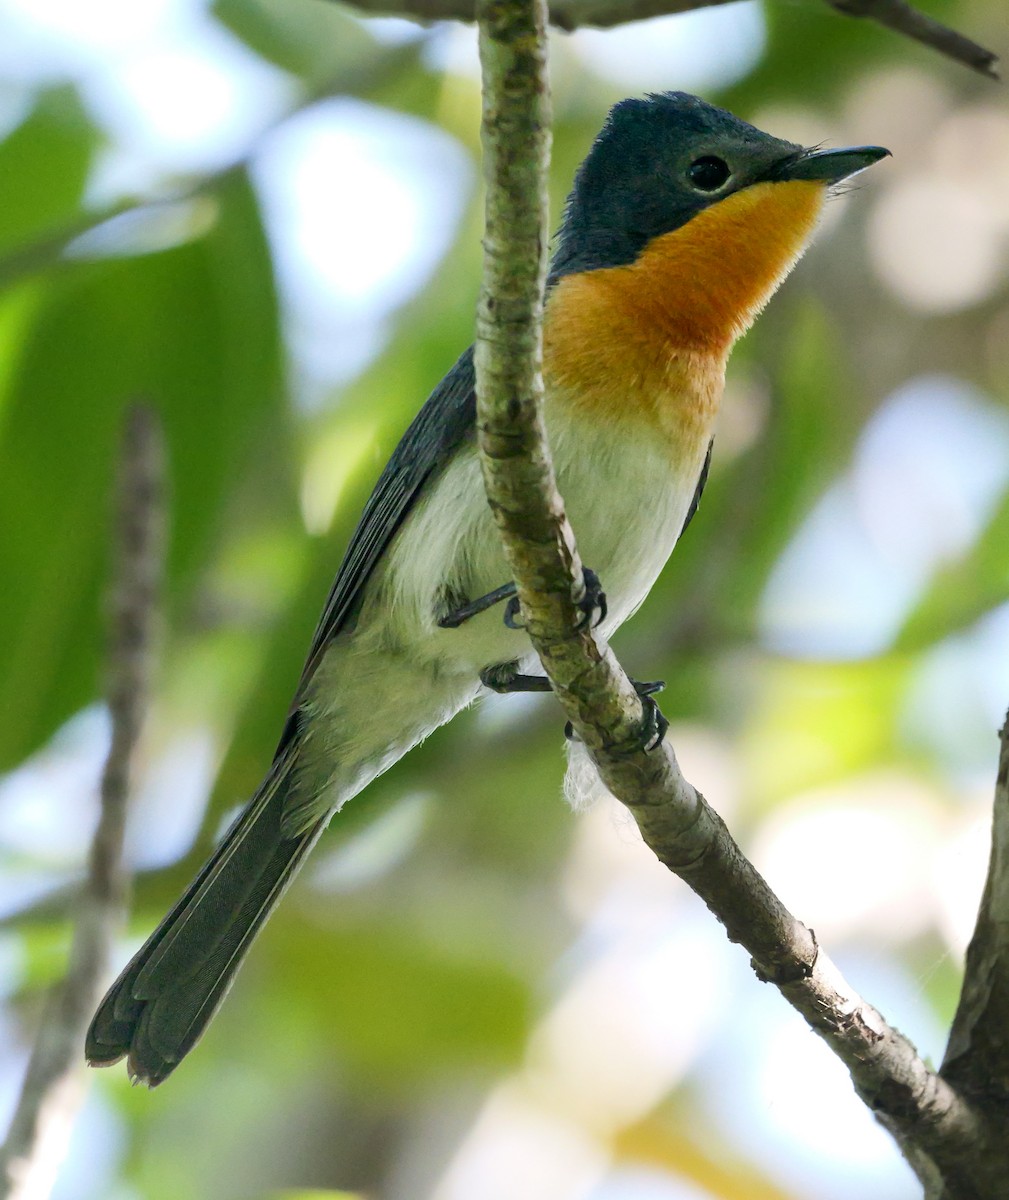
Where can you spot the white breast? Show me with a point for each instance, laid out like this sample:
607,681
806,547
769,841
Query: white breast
625,501
393,676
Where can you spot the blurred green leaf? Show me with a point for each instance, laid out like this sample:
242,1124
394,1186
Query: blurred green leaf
398,1005
194,330
312,40
963,591
815,723
44,165
805,444
789,70
315,1194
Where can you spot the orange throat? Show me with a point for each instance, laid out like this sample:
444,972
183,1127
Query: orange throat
650,339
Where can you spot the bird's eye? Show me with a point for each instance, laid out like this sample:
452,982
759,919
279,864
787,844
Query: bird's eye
707,174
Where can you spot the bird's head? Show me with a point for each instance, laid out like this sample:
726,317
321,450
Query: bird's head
707,208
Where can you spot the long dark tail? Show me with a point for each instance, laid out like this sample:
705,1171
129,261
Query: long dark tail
160,1005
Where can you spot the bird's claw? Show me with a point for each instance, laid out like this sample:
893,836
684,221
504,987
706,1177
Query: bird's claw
592,604
512,614
593,601
653,725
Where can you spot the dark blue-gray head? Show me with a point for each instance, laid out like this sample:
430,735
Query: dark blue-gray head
659,161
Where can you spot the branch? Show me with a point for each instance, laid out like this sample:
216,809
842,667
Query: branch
565,14
977,1057
897,15
53,1086
935,1127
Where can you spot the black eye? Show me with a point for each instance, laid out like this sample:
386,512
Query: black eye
708,173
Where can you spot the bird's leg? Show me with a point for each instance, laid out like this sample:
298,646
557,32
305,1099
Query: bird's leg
473,608
504,679
592,604
654,727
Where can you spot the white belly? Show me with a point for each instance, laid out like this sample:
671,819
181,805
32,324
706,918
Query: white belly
385,684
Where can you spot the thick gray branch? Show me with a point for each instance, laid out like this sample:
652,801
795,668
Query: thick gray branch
938,1131
53,1085
897,15
977,1057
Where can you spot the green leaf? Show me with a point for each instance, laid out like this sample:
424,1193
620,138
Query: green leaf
194,330
962,592
307,38
814,724
315,1194
397,1004
44,165
810,56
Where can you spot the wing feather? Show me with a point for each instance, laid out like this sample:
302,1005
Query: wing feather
447,419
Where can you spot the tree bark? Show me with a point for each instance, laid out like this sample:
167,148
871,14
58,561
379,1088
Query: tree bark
897,15
943,1134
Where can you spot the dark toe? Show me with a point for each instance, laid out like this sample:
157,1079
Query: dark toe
593,601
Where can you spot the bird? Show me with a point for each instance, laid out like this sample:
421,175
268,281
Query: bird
681,223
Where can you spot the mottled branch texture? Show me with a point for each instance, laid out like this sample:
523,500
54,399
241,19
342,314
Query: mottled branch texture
977,1057
897,15
941,1134
54,1083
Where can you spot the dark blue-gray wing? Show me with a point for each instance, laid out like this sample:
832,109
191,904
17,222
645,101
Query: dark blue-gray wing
447,419
702,479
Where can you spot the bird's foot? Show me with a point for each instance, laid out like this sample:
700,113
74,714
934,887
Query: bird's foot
505,679
592,604
654,725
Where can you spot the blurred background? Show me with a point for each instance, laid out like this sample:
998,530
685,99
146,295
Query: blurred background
264,217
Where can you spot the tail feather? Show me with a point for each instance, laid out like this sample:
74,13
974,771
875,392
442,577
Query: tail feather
159,1006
